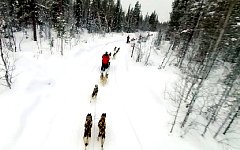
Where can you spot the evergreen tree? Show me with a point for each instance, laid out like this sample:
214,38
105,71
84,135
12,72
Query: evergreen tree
128,20
145,24
230,43
86,14
136,16
117,21
78,12
175,18
94,20
153,21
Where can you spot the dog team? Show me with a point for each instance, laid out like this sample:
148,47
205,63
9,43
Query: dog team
88,127
101,123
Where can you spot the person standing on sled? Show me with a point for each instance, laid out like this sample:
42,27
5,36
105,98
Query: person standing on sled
105,61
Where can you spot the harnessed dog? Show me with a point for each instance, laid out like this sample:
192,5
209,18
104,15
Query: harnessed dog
95,91
102,127
115,52
87,130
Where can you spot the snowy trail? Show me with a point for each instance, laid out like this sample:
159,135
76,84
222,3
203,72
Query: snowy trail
112,99
51,98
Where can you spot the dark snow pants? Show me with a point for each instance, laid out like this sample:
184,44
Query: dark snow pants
105,66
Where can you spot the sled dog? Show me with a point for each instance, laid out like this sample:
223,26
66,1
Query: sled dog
115,52
87,130
95,92
103,78
102,127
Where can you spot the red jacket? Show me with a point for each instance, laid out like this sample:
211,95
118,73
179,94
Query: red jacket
105,59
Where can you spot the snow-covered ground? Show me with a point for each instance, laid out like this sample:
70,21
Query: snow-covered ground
50,98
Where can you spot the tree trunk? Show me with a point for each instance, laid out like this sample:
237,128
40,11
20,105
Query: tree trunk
33,5
166,55
233,118
193,100
7,78
61,44
106,22
133,50
14,42
185,48
225,121
223,99
219,106
100,23
175,117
